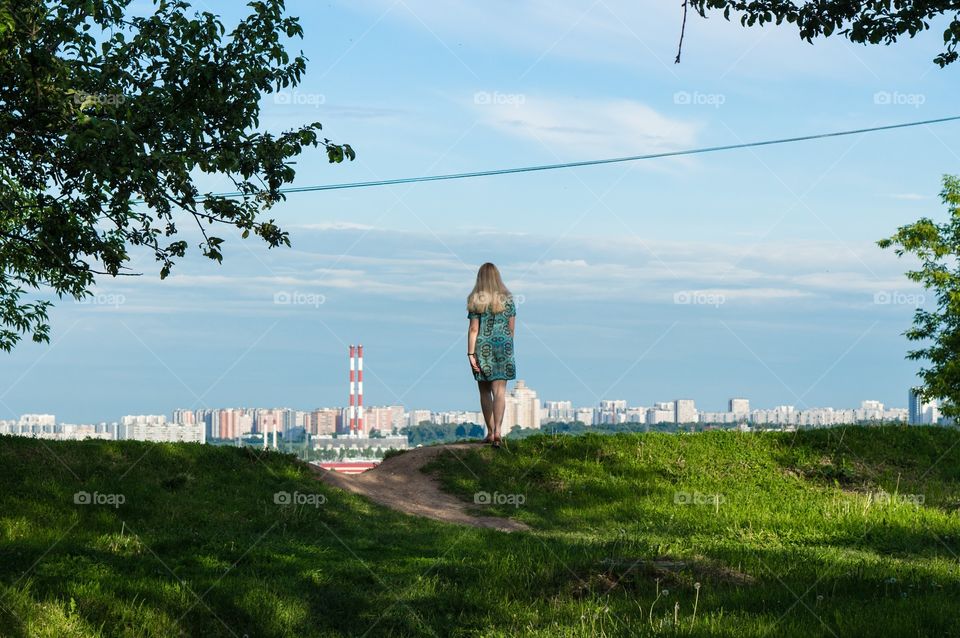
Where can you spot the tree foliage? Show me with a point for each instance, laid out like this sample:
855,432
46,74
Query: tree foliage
867,22
107,121
937,330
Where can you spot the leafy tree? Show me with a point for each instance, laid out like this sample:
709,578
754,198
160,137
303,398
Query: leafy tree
936,246
862,22
102,110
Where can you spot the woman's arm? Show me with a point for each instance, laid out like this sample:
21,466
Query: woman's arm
472,331
512,322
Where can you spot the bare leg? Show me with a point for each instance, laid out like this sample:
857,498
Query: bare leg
499,405
486,405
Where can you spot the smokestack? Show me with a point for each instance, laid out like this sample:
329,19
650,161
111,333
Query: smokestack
360,390
351,413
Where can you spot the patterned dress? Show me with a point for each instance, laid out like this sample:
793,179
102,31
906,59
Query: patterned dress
494,347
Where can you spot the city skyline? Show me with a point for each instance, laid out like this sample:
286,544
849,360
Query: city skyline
545,405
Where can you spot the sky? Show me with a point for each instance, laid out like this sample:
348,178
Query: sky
749,273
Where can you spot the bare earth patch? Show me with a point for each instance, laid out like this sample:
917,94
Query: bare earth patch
399,483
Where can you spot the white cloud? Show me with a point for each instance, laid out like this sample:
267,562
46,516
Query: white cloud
408,266
588,128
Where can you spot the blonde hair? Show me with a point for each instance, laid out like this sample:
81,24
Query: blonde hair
489,293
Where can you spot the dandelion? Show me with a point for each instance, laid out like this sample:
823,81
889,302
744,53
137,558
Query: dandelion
696,599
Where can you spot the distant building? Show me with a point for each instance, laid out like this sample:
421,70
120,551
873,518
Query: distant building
382,418
268,421
416,417
523,408
41,420
922,412
233,423
151,428
323,421
326,442
587,416
143,419
454,417
613,411
559,411
684,411
718,417
184,417
662,412
740,407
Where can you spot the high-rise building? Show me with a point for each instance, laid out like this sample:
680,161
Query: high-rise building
323,421
380,418
416,417
914,403
42,420
268,421
587,416
151,429
612,411
922,412
184,417
662,412
523,408
740,407
684,411
399,415
558,411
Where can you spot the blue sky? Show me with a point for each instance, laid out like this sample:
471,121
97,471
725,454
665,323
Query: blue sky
778,242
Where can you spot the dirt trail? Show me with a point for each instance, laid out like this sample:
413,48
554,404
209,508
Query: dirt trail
399,483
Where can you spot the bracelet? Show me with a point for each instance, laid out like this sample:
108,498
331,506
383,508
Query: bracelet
471,354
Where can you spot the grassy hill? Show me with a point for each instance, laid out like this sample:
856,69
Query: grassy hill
847,532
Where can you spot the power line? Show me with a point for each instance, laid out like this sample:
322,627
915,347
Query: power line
596,162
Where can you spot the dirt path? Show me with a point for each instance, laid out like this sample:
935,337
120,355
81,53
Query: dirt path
399,483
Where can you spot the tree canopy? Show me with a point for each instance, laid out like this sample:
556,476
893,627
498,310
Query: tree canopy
865,22
108,119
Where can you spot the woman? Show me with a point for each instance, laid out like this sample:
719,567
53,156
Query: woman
492,315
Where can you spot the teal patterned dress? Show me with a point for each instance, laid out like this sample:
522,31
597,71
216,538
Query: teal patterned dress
494,347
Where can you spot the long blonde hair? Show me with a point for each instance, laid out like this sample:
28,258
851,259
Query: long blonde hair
490,293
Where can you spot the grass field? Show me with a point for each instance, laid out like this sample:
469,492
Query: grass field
846,532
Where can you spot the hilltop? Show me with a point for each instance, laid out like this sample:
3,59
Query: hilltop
850,531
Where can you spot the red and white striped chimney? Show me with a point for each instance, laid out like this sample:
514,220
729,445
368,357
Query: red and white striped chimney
351,414
360,390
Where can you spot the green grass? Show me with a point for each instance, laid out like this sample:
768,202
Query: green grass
785,537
